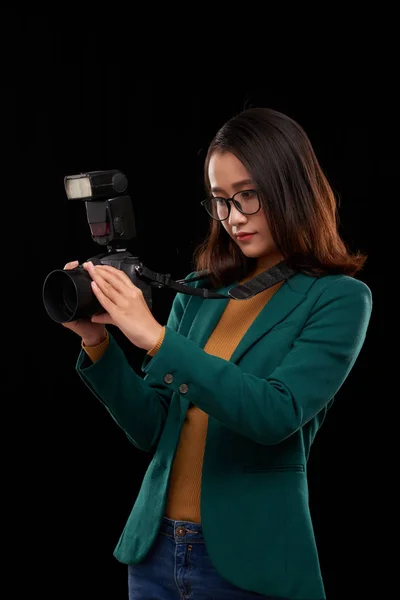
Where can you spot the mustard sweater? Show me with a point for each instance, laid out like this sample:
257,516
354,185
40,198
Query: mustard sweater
183,502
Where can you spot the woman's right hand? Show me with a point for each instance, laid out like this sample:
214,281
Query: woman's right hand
92,334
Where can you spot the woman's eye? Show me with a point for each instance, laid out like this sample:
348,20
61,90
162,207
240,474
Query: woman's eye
247,194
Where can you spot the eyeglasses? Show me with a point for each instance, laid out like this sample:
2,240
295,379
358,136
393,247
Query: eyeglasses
247,202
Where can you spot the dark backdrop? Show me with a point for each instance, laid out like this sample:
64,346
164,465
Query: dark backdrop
82,475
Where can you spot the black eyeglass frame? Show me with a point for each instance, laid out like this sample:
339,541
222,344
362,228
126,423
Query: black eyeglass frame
235,202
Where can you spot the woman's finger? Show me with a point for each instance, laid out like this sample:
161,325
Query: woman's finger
106,288
71,265
104,299
117,279
104,318
120,275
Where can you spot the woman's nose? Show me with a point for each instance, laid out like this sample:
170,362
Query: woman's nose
236,217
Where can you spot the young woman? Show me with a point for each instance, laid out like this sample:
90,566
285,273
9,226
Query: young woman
234,390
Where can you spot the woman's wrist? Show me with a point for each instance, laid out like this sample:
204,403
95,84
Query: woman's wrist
90,342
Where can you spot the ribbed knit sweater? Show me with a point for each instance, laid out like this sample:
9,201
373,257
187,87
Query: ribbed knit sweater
183,502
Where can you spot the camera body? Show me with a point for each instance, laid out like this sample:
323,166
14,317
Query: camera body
129,264
67,294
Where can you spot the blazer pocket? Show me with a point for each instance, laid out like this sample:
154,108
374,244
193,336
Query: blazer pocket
274,468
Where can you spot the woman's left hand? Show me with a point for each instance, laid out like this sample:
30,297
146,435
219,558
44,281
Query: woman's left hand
124,302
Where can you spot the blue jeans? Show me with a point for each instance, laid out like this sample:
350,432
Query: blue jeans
178,568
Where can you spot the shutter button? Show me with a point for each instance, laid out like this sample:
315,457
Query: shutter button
181,531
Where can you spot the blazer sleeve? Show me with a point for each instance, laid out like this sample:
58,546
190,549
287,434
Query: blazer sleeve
269,410
138,405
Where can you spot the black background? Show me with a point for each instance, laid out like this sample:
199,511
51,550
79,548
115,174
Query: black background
79,475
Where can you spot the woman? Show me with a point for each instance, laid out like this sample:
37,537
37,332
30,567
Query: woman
234,391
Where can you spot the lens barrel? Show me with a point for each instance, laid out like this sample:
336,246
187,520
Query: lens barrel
67,295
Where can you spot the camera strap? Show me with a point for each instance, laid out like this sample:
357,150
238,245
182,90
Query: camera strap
254,286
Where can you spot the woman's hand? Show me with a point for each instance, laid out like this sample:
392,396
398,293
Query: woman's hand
125,305
91,333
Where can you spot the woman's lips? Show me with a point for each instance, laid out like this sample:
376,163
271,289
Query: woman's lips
244,237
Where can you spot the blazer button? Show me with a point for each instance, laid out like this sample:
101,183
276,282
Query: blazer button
168,378
183,388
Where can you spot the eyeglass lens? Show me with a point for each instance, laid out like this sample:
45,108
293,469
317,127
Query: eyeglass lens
246,202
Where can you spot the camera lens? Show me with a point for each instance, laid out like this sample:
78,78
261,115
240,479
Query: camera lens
67,295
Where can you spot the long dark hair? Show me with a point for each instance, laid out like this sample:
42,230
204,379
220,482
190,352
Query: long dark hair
296,197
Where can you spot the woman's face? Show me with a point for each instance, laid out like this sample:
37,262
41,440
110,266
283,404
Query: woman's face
227,176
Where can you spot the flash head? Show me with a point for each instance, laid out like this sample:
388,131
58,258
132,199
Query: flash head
109,210
95,185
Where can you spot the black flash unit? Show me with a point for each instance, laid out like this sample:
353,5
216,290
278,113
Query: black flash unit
109,212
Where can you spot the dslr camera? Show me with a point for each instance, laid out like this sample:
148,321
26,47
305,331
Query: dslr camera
67,294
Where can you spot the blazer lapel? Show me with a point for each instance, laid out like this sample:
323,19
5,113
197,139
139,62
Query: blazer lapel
279,307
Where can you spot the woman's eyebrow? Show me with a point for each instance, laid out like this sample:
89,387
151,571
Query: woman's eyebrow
235,185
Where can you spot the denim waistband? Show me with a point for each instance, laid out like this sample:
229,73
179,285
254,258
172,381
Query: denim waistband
182,531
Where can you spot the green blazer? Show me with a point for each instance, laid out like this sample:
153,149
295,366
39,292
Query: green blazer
265,406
